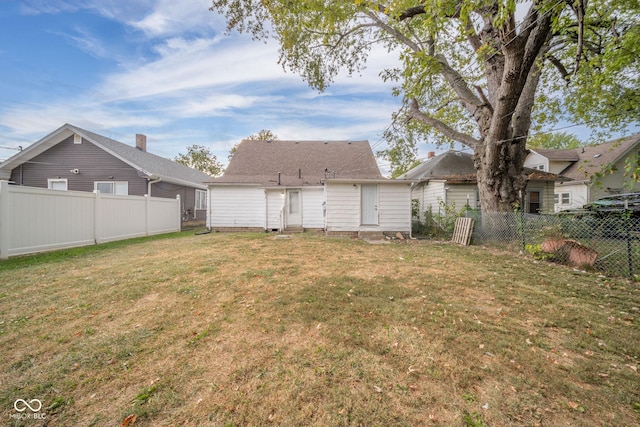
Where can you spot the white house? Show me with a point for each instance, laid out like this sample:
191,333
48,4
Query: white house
449,182
330,186
592,172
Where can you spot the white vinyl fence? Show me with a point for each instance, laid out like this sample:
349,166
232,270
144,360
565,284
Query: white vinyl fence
36,219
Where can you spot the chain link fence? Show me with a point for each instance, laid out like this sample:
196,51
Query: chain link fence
608,243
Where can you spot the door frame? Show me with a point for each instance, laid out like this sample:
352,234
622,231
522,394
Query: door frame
293,213
369,207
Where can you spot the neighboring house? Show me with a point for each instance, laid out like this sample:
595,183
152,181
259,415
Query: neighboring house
449,182
333,186
71,158
592,171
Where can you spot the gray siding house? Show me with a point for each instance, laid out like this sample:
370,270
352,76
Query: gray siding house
71,158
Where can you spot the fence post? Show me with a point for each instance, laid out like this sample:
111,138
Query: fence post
179,208
96,216
147,213
5,220
629,237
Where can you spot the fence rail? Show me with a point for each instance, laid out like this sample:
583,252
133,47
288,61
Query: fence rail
608,243
36,219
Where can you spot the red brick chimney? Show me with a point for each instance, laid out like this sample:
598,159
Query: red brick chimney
431,154
141,142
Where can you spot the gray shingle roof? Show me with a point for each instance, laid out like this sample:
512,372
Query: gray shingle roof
299,163
591,159
568,155
457,167
153,164
150,164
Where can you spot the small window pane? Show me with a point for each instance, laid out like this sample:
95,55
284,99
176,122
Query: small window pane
105,187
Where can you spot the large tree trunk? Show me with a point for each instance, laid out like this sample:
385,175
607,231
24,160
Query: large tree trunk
501,181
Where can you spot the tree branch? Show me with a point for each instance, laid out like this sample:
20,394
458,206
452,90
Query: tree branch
415,114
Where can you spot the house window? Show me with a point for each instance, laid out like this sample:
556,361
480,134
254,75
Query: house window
562,198
201,200
538,167
112,187
58,184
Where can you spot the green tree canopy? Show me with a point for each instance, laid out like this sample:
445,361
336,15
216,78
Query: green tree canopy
470,71
554,140
200,157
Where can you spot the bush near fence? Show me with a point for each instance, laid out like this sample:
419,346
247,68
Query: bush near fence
606,243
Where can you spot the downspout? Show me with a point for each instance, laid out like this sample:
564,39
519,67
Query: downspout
149,182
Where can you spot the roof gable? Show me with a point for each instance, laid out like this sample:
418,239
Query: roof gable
299,163
458,167
568,155
594,158
151,165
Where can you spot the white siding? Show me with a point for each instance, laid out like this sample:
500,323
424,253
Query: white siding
430,194
312,209
459,194
275,203
535,160
236,206
395,207
35,219
343,208
578,191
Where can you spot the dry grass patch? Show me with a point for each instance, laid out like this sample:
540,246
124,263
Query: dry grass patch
245,329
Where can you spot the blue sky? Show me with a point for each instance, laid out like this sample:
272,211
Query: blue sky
165,68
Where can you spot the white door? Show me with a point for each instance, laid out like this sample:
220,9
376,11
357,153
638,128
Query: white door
369,204
294,208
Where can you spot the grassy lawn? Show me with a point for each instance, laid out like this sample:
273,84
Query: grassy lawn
247,329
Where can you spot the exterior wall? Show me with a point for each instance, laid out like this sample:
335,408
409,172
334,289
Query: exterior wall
458,195
429,194
343,209
613,183
187,197
395,207
94,164
547,189
534,160
578,194
312,209
237,207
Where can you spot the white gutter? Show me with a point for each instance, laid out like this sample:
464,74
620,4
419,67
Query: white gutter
149,183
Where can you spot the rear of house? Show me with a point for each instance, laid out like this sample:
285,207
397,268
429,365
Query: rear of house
590,172
446,184
307,185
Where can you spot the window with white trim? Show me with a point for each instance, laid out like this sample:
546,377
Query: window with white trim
562,198
58,184
201,200
112,187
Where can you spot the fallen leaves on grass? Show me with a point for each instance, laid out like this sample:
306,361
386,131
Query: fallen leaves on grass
129,421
